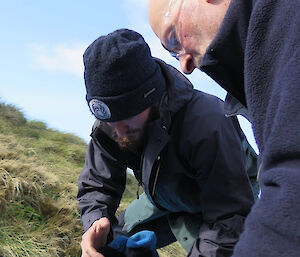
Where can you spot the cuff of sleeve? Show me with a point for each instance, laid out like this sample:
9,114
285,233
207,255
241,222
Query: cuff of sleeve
89,218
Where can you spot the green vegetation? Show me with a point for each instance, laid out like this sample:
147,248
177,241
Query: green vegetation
39,168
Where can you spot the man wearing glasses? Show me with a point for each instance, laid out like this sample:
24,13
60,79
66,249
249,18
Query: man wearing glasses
252,49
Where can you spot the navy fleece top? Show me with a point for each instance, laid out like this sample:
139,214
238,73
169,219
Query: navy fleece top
256,58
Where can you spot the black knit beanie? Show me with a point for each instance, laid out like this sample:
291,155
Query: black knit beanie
121,77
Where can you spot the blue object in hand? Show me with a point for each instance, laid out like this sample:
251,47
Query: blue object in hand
141,244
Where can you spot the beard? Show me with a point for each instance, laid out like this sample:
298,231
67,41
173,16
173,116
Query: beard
134,140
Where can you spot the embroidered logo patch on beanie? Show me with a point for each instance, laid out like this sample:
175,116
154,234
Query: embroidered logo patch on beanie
119,71
100,109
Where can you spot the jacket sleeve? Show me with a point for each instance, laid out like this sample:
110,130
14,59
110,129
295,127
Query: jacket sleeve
217,158
100,185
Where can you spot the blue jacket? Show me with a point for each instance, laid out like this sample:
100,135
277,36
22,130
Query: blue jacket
200,171
255,56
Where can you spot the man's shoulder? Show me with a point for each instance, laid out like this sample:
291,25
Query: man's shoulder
206,103
204,114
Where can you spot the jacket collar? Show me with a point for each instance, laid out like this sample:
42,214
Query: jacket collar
233,107
224,58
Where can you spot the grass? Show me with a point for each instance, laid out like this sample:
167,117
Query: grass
39,168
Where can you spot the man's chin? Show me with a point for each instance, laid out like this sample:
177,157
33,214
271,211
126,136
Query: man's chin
132,141
197,61
128,142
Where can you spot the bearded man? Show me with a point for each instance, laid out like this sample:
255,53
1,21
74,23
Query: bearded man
185,153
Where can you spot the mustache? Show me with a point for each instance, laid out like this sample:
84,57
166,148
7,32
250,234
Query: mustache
133,131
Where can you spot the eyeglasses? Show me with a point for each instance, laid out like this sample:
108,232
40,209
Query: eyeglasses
172,53
173,46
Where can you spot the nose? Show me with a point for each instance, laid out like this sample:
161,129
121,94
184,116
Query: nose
120,127
186,63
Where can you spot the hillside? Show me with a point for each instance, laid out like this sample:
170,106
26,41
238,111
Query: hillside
39,168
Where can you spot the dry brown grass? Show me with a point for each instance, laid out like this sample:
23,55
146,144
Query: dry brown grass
38,187
39,168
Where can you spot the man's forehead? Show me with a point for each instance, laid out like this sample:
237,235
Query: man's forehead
156,13
160,13
169,10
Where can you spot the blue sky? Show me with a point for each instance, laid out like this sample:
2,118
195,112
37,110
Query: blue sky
41,48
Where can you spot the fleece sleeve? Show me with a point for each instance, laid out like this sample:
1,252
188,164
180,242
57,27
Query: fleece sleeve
273,89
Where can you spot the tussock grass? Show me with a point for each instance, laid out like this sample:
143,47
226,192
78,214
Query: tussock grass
39,168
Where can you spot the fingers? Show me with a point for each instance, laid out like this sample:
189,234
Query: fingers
91,253
94,238
88,250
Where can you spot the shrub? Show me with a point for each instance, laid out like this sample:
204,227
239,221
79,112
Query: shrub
12,114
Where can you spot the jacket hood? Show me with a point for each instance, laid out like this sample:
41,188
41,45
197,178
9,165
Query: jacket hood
179,91
224,58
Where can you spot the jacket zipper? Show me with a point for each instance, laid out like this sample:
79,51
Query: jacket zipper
156,175
140,180
138,191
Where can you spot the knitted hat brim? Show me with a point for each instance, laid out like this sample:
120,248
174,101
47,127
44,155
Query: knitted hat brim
129,104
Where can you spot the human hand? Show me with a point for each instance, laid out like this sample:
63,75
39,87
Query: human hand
94,238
